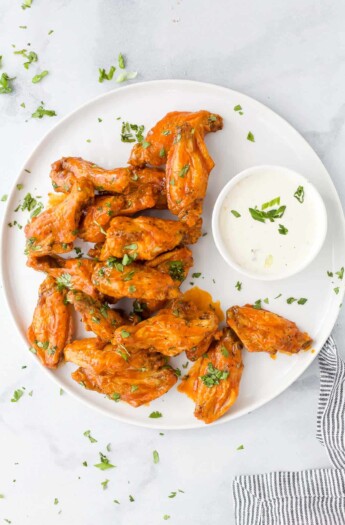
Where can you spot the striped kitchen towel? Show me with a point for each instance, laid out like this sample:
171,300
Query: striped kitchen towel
311,497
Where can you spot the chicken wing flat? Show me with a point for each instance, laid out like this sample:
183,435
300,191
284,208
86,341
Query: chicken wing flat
181,327
155,148
118,180
213,381
136,379
97,316
263,331
147,237
187,171
55,229
51,328
135,281
105,359
69,273
99,215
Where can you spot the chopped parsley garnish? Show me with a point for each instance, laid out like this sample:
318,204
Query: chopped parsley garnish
225,351
132,289
271,215
336,290
17,394
26,4
134,388
241,447
126,75
184,170
121,61
238,108
145,144
155,457
271,203
282,230
125,334
213,376
299,194
196,275
113,262
42,112
176,270
20,186
5,84
166,517
155,414
116,396
235,214
31,57
330,274
257,304
238,285
340,274
302,300
291,300
64,281
87,433
38,78
103,75
162,153
131,499
56,501
250,137
132,132
104,464
4,198
105,483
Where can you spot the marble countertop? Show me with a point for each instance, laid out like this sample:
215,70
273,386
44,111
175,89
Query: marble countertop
288,55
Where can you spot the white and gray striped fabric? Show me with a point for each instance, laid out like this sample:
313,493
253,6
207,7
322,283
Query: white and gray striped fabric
311,497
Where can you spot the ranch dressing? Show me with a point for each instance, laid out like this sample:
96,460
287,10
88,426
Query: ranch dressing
271,248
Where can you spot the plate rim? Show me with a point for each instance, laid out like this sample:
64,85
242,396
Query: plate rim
157,424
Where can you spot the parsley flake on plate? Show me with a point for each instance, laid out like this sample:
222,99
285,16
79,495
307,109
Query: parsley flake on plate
155,414
155,457
235,214
250,137
37,78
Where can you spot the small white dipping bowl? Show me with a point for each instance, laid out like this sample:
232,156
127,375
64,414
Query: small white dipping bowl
258,249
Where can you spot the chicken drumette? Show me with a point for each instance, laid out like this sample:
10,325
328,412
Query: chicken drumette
263,331
136,379
213,381
160,138
52,326
147,237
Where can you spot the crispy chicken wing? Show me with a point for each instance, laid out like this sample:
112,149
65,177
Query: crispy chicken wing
181,327
147,237
103,358
97,316
263,331
51,328
136,379
155,148
55,229
187,171
98,216
213,381
118,180
135,281
70,273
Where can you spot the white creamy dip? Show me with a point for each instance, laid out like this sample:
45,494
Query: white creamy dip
273,249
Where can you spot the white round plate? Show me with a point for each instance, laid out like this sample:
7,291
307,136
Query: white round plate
277,143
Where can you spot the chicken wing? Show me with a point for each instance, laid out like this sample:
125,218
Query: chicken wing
97,316
98,216
118,180
146,237
263,331
156,146
136,379
181,327
187,172
135,281
105,359
51,328
69,273
55,229
213,381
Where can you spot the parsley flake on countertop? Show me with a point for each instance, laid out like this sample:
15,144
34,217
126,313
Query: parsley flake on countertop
5,84
126,75
155,457
42,112
105,483
103,75
30,56
213,376
121,61
104,464
37,78
250,137
155,414
87,433
17,394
